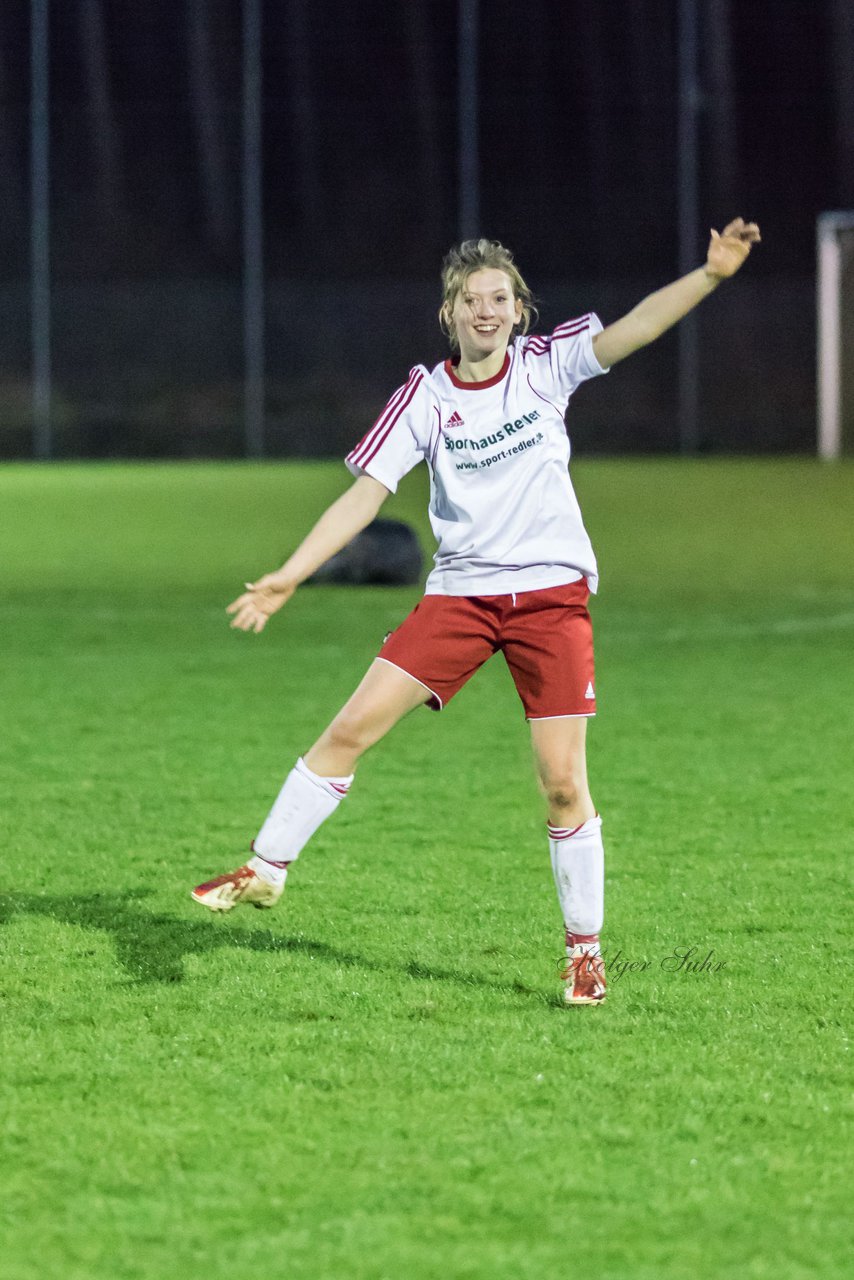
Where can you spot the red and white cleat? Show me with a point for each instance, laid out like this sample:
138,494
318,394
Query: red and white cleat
240,886
584,976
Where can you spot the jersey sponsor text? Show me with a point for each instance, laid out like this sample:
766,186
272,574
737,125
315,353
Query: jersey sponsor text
502,505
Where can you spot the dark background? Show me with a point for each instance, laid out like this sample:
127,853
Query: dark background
578,127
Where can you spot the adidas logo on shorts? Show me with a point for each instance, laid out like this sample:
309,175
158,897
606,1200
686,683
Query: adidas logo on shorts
589,691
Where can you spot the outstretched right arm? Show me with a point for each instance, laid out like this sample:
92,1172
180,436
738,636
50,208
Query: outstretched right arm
347,516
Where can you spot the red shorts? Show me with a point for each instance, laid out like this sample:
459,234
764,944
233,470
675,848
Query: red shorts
546,637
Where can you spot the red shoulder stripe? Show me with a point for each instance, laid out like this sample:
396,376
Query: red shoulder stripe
541,343
376,438
369,436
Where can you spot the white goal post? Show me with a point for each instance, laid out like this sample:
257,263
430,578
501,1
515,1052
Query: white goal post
835,305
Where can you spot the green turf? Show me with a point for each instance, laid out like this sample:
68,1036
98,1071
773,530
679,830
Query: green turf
377,1081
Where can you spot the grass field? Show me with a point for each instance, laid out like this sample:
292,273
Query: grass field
377,1081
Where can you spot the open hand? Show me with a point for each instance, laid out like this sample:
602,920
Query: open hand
259,602
728,250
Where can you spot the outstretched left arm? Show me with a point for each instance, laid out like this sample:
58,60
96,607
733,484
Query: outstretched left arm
663,309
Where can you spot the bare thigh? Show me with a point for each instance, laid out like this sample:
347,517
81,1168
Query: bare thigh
385,695
560,752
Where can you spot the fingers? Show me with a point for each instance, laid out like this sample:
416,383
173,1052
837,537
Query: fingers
236,604
250,611
249,619
747,232
256,595
261,599
244,615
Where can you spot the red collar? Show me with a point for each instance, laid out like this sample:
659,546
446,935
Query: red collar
477,386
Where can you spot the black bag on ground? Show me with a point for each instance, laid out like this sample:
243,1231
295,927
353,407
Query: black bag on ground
385,554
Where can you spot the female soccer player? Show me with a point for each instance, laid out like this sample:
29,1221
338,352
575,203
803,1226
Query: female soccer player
513,570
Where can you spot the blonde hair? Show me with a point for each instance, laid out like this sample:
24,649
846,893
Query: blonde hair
477,255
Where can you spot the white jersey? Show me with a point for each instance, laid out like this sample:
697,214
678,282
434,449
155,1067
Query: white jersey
502,505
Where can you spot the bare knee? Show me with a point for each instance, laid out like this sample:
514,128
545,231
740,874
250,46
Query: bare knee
562,769
349,733
562,793
384,696
564,784
569,799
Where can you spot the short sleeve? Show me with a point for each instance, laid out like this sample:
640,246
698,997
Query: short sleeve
562,360
397,440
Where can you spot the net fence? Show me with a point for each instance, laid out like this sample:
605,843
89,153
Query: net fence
577,128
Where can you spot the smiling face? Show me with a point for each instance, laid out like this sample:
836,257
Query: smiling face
484,314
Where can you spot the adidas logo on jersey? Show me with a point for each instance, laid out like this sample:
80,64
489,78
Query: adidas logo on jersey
454,421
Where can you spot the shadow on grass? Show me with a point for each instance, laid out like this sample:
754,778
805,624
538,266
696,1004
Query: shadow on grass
152,948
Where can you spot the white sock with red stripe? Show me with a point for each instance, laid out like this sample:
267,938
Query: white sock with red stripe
305,801
578,864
